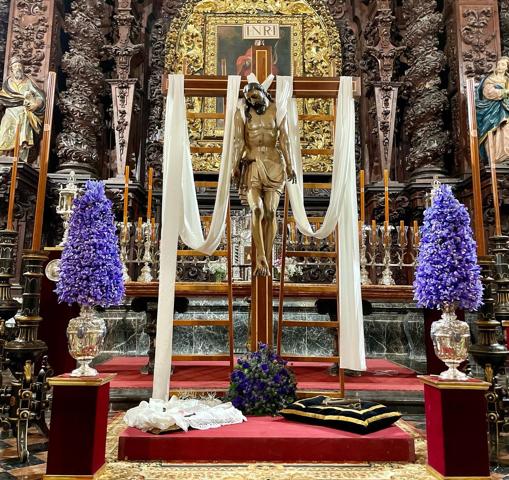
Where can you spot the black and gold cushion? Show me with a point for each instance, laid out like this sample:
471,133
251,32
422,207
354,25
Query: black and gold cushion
357,417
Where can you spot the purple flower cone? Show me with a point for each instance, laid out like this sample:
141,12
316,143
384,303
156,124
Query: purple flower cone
447,269
90,268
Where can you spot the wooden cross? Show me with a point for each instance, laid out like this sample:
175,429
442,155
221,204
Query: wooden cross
303,87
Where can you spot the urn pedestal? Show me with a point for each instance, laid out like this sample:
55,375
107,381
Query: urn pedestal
79,420
456,428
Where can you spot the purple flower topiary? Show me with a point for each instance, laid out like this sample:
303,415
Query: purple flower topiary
447,269
90,269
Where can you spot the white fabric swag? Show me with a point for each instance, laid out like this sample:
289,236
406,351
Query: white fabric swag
181,216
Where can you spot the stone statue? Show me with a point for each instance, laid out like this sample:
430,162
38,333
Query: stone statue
492,106
259,168
24,103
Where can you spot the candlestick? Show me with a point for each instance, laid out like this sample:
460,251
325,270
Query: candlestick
386,194
126,193
149,203
494,187
361,188
373,231
14,175
416,233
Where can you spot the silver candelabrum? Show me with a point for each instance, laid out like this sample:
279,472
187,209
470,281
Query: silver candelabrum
124,240
364,230
381,250
66,196
146,235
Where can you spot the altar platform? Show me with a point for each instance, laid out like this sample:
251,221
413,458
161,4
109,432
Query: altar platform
384,381
268,439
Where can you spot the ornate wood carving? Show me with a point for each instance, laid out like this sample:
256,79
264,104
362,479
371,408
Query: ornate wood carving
154,146
473,39
379,46
31,34
122,88
504,25
77,143
4,22
427,101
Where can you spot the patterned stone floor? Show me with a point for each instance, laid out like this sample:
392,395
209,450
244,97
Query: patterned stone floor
11,468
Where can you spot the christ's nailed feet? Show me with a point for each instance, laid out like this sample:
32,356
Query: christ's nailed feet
262,267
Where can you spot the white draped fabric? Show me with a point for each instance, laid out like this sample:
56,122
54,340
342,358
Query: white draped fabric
342,211
180,213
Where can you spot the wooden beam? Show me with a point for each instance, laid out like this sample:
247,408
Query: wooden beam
388,293
304,151
303,87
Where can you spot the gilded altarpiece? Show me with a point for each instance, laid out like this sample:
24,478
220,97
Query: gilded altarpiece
201,40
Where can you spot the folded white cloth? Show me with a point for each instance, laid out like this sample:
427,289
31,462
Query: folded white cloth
157,415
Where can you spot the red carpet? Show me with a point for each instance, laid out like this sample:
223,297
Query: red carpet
381,375
268,439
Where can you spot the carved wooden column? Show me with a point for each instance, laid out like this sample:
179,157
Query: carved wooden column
122,87
424,128
473,46
82,123
32,35
156,99
4,25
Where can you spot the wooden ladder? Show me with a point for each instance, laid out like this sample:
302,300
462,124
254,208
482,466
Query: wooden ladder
285,253
228,322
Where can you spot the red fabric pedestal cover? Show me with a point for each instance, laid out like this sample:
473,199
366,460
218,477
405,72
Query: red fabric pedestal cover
456,427
79,420
268,439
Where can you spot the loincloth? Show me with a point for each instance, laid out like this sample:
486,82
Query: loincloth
264,176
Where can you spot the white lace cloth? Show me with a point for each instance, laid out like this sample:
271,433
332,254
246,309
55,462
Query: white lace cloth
157,415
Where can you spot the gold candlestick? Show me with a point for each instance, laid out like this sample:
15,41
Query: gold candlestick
361,188
126,193
386,195
14,175
149,203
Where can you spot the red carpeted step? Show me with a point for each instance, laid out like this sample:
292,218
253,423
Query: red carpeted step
381,375
268,439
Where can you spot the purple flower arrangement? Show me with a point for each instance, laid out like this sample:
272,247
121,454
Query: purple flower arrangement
261,383
447,270
90,268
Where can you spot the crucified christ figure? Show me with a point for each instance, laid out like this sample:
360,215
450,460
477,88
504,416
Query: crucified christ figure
260,168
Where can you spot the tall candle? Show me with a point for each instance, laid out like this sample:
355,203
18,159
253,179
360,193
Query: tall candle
386,194
149,203
361,188
402,231
416,233
153,229
14,175
373,231
140,226
126,193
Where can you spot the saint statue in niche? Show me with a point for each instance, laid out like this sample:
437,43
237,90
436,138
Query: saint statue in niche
24,104
260,168
492,106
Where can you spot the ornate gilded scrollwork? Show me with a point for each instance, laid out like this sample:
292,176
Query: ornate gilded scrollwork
315,45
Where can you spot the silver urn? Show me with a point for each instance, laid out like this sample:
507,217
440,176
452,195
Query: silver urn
85,335
451,339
